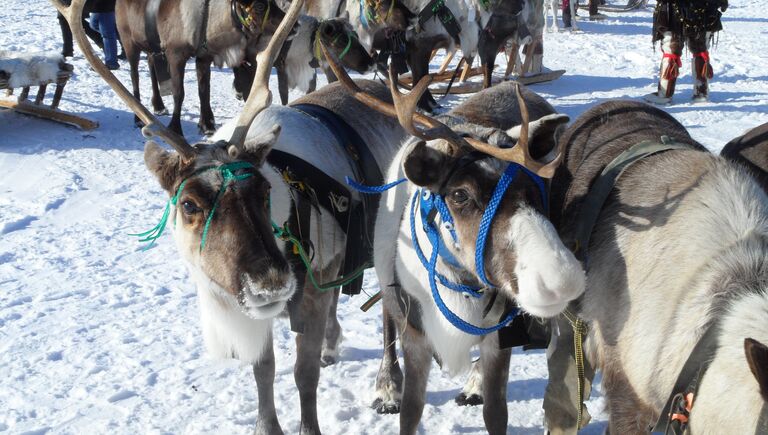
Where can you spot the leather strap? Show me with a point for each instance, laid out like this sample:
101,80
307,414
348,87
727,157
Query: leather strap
593,204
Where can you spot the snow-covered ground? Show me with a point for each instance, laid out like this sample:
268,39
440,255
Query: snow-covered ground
98,336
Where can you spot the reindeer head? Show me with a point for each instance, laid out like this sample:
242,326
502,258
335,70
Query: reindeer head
339,36
490,199
219,199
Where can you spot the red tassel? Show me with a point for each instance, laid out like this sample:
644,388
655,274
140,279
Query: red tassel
673,68
706,69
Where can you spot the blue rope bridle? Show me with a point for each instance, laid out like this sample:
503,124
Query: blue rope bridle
432,204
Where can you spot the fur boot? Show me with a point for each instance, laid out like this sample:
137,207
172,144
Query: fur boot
702,72
670,69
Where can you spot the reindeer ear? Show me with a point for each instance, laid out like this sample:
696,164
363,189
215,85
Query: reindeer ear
757,358
259,147
164,164
425,166
543,133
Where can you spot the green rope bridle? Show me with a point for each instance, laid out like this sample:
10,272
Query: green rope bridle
318,50
229,174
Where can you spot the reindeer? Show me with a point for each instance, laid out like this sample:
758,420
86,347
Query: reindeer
677,276
499,24
450,172
231,38
228,203
751,150
421,30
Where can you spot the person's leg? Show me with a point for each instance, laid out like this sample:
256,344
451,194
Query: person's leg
93,34
105,23
66,36
701,67
672,48
566,14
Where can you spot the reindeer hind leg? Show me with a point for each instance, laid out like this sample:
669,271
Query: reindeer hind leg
389,380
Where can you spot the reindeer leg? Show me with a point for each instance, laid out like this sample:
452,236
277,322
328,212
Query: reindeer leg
418,61
177,64
306,372
472,393
389,380
495,369
207,124
282,84
333,334
158,107
264,373
418,361
329,75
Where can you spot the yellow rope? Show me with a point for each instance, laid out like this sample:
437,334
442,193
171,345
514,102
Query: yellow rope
579,330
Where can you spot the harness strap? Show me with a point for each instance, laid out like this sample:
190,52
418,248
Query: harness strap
323,191
579,331
159,61
362,215
687,382
202,47
593,204
298,222
438,9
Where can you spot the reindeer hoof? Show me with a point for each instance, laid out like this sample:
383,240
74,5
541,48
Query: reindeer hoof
471,400
327,360
206,130
160,112
382,407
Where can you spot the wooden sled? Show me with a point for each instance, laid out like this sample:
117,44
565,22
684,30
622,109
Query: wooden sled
472,87
444,76
37,107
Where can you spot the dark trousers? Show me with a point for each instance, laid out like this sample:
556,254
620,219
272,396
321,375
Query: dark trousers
66,35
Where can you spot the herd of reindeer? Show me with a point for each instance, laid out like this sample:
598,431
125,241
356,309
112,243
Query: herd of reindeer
618,222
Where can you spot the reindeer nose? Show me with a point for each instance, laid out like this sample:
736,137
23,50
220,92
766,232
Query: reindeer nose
328,29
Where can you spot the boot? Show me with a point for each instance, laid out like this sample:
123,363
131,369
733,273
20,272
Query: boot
670,69
702,72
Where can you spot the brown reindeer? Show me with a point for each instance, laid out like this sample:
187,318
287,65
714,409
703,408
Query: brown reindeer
228,203
235,31
677,253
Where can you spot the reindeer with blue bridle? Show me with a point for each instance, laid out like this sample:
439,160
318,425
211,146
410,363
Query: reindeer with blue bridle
467,203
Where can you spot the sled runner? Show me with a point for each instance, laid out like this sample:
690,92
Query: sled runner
38,69
630,6
472,87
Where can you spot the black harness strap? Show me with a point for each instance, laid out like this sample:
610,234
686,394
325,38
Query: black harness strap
362,215
438,9
202,47
687,382
603,186
156,52
298,223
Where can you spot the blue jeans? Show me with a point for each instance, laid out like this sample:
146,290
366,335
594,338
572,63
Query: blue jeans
104,23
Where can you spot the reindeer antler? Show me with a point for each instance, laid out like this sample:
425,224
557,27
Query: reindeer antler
260,96
153,127
404,110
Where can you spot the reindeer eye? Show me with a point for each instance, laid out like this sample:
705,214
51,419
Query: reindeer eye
190,207
459,196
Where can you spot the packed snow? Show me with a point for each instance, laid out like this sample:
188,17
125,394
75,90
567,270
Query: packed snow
99,336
